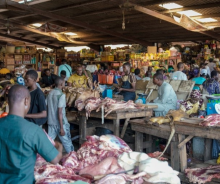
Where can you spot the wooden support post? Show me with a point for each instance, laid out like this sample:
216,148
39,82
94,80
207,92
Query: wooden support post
125,127
182,153
138,141
208,149
185,141
175,161
116,127
82,129
151,148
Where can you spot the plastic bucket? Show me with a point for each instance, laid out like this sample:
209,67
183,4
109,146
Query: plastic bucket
102,131
110,79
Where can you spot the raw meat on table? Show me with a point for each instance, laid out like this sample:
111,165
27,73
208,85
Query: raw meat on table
97,149
91,104
211,120
203,175
106,166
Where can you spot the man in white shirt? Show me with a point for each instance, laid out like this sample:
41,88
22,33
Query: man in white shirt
179,75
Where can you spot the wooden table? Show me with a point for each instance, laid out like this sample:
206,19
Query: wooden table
184,131
116,116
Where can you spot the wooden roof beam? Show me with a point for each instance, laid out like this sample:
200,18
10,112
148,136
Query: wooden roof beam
77,23
170,19
67,7
194,7
206,16
26,40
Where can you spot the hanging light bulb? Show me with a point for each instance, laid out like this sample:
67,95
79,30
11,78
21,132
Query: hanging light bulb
8,31
123,22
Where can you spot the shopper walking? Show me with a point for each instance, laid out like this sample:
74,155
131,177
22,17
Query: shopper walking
57,122
37,113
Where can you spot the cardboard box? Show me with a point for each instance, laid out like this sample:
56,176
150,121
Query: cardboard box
152,49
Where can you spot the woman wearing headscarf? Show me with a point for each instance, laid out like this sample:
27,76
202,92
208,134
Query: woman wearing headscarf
194,104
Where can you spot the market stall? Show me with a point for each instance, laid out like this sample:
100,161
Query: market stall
116,116
185,130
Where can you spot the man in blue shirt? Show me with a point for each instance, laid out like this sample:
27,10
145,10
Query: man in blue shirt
20,141
66,68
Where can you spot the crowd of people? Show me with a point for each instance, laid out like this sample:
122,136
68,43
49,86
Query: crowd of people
23,136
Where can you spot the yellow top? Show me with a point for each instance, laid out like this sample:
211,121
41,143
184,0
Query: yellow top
194,108
4,71
78,81
12,81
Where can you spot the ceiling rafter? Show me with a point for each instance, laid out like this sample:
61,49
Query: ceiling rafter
170,19
77,23
194,7
26,40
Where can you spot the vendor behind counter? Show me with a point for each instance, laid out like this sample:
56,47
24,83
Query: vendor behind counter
128,86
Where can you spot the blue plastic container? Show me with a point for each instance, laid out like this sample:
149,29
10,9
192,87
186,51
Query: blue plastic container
107,93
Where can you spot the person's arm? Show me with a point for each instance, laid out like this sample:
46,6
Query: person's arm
42,114
42,145
133,84
130,90
57,159
61,105
69,82
60,117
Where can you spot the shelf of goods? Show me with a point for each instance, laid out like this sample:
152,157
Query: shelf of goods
48,61
15,60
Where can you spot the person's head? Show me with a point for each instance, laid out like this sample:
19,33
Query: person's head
158,79
19,100
59,82
180,66
214,75
84,66
8,76
204,73
64,61
30,78
47,72
137,71
79,70
1,64
211,60
149,69
160,71
202,66
126,68
149,74
63,74
195,96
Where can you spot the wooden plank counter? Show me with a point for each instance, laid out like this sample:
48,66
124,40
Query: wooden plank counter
115,116
184,131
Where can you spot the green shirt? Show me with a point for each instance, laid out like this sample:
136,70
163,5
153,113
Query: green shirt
20,141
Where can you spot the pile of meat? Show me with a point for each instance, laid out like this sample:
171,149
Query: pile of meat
211,120
203,175
97,160
92,152
94,103
79,95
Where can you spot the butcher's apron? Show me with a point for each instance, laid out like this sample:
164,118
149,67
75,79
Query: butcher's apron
127,94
